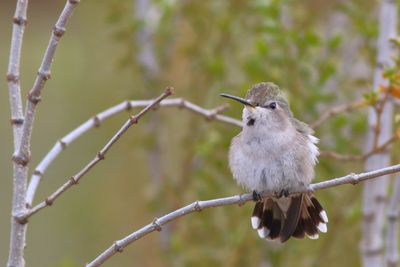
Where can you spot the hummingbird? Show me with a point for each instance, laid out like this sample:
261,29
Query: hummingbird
276,152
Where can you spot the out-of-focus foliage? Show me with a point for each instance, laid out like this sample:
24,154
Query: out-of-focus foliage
321,53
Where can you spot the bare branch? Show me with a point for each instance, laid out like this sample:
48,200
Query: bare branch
42,76
13,75
18,230
336,110
392,252
375,150
99,156
157,223
96,120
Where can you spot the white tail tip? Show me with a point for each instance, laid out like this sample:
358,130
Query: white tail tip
255,222
263,232
324,216
322,227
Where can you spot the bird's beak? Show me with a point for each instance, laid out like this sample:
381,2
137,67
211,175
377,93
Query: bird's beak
239,99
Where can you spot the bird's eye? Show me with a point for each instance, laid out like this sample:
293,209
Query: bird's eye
271,105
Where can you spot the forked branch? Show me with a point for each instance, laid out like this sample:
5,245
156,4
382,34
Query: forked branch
95,121
99,156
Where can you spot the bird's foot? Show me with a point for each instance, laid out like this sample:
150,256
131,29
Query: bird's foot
256,196
282,193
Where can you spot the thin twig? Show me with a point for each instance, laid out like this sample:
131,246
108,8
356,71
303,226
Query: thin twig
157,223
13,75
95,121
43,75
375,150
20,173
392,252
99,156
336,110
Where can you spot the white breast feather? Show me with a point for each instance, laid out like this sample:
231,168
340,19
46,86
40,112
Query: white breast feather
313,148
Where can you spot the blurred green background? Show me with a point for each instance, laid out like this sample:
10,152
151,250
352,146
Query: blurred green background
320,52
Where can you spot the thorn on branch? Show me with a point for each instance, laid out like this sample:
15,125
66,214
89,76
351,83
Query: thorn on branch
21,21
156,225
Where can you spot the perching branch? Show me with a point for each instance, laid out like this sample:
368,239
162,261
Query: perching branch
99,156
157,223
95,121
18,231
43,75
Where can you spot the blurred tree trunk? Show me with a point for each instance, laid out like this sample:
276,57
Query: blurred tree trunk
376,191
147,14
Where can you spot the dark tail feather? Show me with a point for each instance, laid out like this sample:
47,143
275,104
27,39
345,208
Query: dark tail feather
292,217
279,218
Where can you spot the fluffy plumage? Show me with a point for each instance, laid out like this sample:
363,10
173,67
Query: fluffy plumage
276,152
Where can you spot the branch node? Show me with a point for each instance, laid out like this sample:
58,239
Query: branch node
169,90
37,173
63,144
22,160
354,179
241,200
20,218
128,105
156,225
46,75
33,98
48,201
197,206
10,77
96,121
118,247
17,121
100,155
133,119
19,20
58,31
73,180
182,103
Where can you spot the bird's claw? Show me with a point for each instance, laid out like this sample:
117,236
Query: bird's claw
256,196
282,193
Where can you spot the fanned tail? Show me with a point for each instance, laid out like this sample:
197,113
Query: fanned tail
295,216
